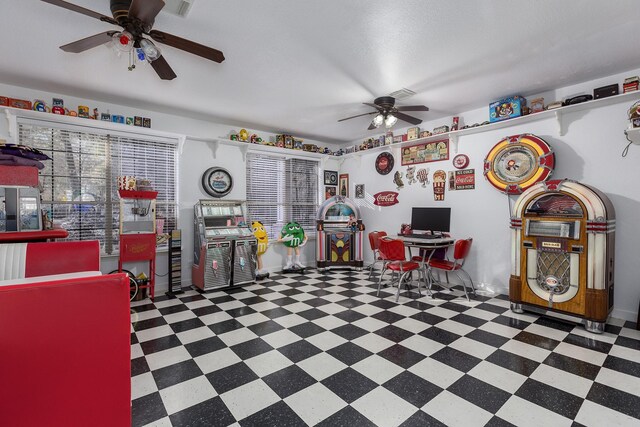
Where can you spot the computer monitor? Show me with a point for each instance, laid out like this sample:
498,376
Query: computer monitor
431,219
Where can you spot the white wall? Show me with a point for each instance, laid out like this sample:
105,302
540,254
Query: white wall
196,157
589,152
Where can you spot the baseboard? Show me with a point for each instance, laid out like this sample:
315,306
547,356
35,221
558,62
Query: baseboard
624,314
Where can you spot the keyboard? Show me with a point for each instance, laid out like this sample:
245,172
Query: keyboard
421,236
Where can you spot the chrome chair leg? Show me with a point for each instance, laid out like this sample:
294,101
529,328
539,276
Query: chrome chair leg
402,278
464,286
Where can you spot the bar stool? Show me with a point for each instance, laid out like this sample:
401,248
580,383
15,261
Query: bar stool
374,241
392,251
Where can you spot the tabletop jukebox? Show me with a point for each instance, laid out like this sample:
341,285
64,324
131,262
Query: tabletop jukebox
563,251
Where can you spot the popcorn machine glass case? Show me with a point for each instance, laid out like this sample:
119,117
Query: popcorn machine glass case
563,251
224,246
340,239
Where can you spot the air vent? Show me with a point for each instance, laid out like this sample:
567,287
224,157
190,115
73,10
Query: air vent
178,7
402,93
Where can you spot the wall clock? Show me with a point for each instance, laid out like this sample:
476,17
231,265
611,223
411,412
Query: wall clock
461,161
384,163
217,182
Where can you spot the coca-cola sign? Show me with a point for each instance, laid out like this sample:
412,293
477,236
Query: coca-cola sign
385,198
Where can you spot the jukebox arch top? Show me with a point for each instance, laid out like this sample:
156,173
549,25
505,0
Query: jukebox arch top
518,162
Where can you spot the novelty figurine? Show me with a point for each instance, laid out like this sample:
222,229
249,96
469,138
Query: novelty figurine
411,174
263,242
397,180
293,236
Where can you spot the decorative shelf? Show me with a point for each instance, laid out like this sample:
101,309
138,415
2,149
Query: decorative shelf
557,113
244,147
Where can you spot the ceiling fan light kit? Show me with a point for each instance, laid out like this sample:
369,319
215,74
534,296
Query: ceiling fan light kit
136,17
387,113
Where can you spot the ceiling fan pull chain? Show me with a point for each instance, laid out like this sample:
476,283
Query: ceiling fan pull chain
132,59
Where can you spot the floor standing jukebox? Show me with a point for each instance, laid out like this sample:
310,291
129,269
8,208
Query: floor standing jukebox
563,251
340,234
224,246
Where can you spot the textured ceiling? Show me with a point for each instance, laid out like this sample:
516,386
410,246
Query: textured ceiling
299,65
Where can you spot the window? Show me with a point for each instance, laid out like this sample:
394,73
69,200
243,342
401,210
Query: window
80,190
280,190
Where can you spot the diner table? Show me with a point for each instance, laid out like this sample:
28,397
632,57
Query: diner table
426,250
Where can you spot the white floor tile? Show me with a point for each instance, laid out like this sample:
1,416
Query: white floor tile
145,315
252,319
329,322
136,351
298,307
326,340
372,342
384,408
455,411
367,310
216,360
605,337
179,317
526,350
625,353
332,308
264,306
167,357
562,380
377,369
498,376
618,380
422,345
237,336
167,303
481,314
544,331
315,403
142,384
229,305
370,324
249,399
267,363
473,347
321,366
412,325
436,372
162,422
196,334
580,353
153,333
198,304
593,415
498,329
455,327
523,413
442,312
220,316
186,394
290,320
280,338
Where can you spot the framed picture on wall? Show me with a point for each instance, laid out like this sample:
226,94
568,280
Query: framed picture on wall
343,185
330,177
359,191
329,192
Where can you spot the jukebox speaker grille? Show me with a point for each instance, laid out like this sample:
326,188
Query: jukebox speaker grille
218,265
553,272
244,261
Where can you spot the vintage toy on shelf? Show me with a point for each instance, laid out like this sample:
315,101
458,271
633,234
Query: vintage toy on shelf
537,105
83,111
630,84
39,105
634,114
58,106
577,99
340,235
293,237
506,108
441,129
243,135
606,91
456,123
425,134
554,105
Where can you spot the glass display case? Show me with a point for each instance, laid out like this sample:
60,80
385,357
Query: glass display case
20,209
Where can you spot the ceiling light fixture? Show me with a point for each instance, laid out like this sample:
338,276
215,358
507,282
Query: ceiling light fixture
150,50
123,41
378,120
390,120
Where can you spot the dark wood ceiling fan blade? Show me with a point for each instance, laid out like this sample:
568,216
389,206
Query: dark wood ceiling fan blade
145,10
413,108
377,107
163,69
406,118
88,42
82,10
187,45
359,115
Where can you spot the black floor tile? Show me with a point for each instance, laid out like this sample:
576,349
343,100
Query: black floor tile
479,393
313,314
383,303
469,320
349,353
221,299
274,313
349,293
240,311
511,322
558,401
573,366
172,309
186,325
513,362
394,333
147,409
143,308
350,303
139,366
622,365
349,316
454,307
203,414
428,318
160,344
491,307
291,292
401,356
299,350
319,293
615,399
412,388
226,326
262,291
252,348
456,359
231,377
134,338
207,345
288,381
306,330
537,340
499,422
440,335
191,298
346,417
628,342
349,331
388,316
203,311
177,373
422,419
588,343
349,384
265,328
550,322
488,338
276,415
149,323
284,301
419,305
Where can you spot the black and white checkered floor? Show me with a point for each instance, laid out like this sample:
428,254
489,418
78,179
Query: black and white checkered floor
322,349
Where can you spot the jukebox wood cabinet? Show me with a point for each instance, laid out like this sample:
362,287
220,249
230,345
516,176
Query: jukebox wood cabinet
563,251
340,234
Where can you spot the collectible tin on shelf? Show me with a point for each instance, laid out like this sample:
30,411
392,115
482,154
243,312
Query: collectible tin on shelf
412,133
506,108
441,129
537,105
630,84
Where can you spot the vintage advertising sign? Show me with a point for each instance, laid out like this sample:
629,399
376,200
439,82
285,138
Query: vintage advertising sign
462,180
439,180
425,152
385,198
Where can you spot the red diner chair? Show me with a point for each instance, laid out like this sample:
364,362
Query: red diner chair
374,241
460,252
392,252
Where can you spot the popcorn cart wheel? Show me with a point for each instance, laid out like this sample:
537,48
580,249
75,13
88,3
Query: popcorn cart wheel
133,283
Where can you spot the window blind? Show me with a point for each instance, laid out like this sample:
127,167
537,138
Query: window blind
280,190
80,189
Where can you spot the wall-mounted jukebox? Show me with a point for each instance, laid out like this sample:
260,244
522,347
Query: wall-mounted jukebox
340,234
563,251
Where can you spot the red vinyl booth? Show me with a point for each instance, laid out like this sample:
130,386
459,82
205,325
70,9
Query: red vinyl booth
65,343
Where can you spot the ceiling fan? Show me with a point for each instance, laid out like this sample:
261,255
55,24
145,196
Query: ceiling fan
136,17
388,113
